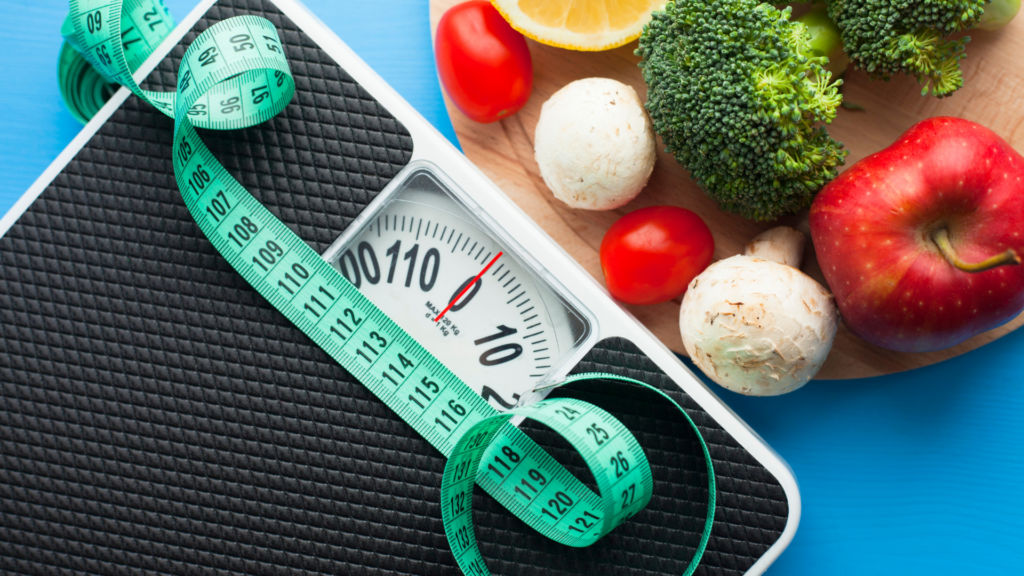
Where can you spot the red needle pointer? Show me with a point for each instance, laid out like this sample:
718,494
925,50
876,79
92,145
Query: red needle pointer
468,286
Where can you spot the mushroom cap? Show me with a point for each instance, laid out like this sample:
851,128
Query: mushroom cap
594,144
757,327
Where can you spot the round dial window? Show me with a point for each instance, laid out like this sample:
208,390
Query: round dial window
416,249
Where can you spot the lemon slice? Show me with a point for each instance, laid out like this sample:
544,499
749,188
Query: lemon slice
579,24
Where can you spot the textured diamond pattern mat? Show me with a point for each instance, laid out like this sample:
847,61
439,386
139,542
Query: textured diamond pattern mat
157,416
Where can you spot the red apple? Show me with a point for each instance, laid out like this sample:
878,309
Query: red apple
920,242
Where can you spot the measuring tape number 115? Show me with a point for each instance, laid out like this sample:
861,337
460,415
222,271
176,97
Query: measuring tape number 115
235,75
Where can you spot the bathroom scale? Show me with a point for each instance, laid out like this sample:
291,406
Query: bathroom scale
158,415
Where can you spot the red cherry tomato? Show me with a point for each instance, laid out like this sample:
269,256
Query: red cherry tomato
483,62
651,255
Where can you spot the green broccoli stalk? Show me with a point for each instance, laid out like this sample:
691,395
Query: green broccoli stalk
998,13
888,37
735,91
825,39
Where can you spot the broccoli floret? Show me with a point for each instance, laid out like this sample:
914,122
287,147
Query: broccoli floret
887,37
735,91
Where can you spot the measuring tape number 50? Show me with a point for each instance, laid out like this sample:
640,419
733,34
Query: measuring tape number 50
235,75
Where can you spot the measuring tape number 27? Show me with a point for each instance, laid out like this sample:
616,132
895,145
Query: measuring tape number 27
235,75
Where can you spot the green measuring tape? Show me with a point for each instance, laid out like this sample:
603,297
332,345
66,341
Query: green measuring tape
143,26
235,75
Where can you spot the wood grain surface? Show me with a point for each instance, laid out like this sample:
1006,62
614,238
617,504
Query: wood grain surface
993,82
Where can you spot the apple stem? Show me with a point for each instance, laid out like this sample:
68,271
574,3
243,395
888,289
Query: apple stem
941,239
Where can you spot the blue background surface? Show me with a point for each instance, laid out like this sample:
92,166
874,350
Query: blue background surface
905,474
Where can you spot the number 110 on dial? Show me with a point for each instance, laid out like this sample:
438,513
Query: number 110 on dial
419,246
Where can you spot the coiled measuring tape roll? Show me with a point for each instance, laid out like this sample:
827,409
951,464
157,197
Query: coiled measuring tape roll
608,449
144,25
235,75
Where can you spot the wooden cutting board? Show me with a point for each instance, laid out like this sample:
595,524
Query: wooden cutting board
993,84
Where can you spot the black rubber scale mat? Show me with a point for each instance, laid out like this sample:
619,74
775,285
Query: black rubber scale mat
157,416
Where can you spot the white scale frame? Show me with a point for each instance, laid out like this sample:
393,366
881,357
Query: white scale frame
607,318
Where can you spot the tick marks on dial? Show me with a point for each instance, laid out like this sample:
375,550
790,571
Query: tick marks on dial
481,251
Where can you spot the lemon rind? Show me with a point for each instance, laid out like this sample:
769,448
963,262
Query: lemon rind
617,41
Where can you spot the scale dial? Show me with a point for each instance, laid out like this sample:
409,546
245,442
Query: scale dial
414,250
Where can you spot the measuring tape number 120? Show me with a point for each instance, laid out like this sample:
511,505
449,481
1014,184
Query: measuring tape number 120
235,75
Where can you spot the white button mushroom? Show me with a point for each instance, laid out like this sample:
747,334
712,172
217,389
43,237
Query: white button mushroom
756,326
594,144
